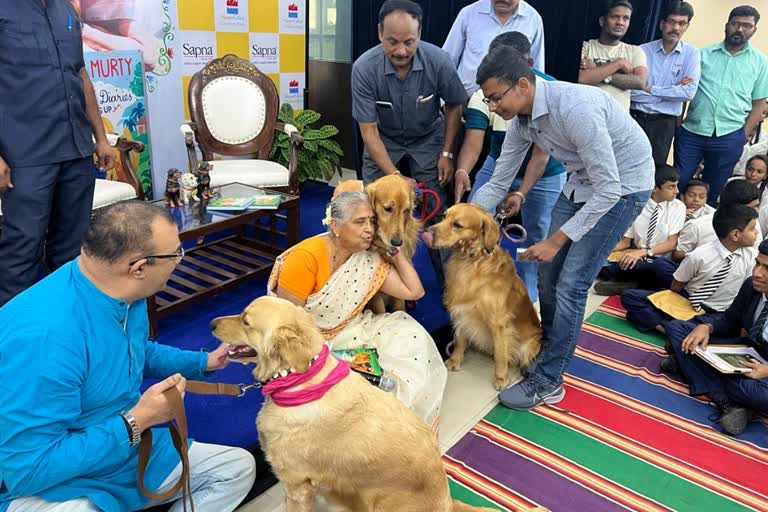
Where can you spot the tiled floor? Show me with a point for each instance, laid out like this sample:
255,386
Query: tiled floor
469,395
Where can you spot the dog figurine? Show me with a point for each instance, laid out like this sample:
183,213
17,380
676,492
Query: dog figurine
487,300
172,194
204,181
189,187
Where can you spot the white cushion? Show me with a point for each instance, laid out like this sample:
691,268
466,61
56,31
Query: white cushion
257,173
234,109
107,192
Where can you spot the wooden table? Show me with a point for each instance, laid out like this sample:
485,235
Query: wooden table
241,246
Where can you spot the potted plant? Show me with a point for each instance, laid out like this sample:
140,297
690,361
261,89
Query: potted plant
319,156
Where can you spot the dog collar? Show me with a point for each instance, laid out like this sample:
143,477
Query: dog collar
277,387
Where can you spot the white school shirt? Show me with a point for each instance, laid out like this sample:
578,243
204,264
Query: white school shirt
670,222
704,262
703,212
697,232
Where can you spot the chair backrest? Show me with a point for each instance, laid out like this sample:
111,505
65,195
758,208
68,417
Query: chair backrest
234,107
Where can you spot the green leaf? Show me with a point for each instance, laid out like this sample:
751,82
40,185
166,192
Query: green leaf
310,146
286,113
286,156
285,143
282,136
273,152
331,145
325,132
306,117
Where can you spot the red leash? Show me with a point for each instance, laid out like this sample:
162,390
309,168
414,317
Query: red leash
421,192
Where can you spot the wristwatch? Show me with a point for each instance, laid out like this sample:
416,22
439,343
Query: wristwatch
649,252
447,155
134,434
608,79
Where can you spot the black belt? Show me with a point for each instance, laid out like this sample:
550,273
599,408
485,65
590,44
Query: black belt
645,115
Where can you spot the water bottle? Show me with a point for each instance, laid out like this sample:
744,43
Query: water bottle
383,382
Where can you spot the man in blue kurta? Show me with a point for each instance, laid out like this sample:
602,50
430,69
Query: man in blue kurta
74,350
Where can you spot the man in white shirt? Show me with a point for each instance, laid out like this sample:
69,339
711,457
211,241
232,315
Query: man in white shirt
476,26
653,234
710,277
609,63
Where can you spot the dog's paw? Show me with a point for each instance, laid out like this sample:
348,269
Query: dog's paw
453,365
501,383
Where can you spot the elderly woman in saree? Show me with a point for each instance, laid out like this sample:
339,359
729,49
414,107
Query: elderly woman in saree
334,275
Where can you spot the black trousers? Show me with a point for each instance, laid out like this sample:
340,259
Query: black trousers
660,129
45,217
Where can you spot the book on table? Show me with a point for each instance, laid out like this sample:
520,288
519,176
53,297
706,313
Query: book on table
363,360
265,202
730,359
224,204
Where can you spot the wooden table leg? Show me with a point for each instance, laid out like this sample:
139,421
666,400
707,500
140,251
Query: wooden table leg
154,328
293,221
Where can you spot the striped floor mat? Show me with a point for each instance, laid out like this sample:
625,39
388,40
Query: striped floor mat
626,437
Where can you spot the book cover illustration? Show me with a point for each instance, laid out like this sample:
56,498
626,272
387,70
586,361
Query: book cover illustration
364,360
230,203
265,202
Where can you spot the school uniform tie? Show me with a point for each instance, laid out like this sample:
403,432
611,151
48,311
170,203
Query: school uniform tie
711,285
652,227
756,332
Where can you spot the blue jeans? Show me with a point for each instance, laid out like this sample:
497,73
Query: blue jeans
720,155
704,380
564,282
537,214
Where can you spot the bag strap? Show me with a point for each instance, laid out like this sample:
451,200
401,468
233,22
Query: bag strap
178,429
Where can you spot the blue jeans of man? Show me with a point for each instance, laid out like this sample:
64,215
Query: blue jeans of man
705,380
720,155
537,214
565,281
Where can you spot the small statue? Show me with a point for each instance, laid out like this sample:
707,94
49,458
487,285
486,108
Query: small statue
172,194
204,181
189,186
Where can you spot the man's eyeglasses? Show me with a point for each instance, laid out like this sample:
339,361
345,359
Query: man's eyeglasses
736,25
495,101
681,24
179,255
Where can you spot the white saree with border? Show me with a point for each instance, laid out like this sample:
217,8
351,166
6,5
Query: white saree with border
406,350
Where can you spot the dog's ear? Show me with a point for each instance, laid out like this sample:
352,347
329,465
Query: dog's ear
293,346
371,191
490,233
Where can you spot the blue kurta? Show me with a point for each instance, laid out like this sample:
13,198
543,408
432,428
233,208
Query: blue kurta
71,361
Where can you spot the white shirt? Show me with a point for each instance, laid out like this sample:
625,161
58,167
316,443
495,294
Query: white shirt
703,212
601,54
670,222
697,232
762,218
704,262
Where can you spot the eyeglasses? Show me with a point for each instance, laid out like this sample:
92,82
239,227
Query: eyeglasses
495,101
736,25
179,255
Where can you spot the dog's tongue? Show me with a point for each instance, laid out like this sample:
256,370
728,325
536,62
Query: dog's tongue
428,238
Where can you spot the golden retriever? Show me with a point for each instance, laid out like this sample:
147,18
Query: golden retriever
393,200
487,300
356,445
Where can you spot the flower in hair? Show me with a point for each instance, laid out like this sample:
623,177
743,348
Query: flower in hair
327,219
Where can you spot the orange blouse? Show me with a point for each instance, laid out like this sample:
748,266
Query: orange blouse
306,268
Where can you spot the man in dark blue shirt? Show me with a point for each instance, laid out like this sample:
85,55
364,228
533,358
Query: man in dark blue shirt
48,114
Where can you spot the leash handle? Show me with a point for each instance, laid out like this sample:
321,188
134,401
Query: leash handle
178,429
422,190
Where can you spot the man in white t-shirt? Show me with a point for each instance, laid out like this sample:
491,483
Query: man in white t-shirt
607,62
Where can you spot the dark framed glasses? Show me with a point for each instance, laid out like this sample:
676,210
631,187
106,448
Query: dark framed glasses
495,101
179,255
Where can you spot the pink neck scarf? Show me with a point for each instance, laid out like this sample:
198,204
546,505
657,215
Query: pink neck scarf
277,388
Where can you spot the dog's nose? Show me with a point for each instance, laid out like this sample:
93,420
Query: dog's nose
396,242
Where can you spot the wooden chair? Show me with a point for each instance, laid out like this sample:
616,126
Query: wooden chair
234,109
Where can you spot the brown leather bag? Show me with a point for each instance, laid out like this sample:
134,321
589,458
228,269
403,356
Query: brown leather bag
178,428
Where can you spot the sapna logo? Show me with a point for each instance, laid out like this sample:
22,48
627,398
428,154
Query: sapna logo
293,11
233,7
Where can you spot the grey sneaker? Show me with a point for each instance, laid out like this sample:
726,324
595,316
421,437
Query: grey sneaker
608,288
734,419
525,395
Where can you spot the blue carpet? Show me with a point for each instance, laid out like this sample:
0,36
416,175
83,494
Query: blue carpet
231,421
